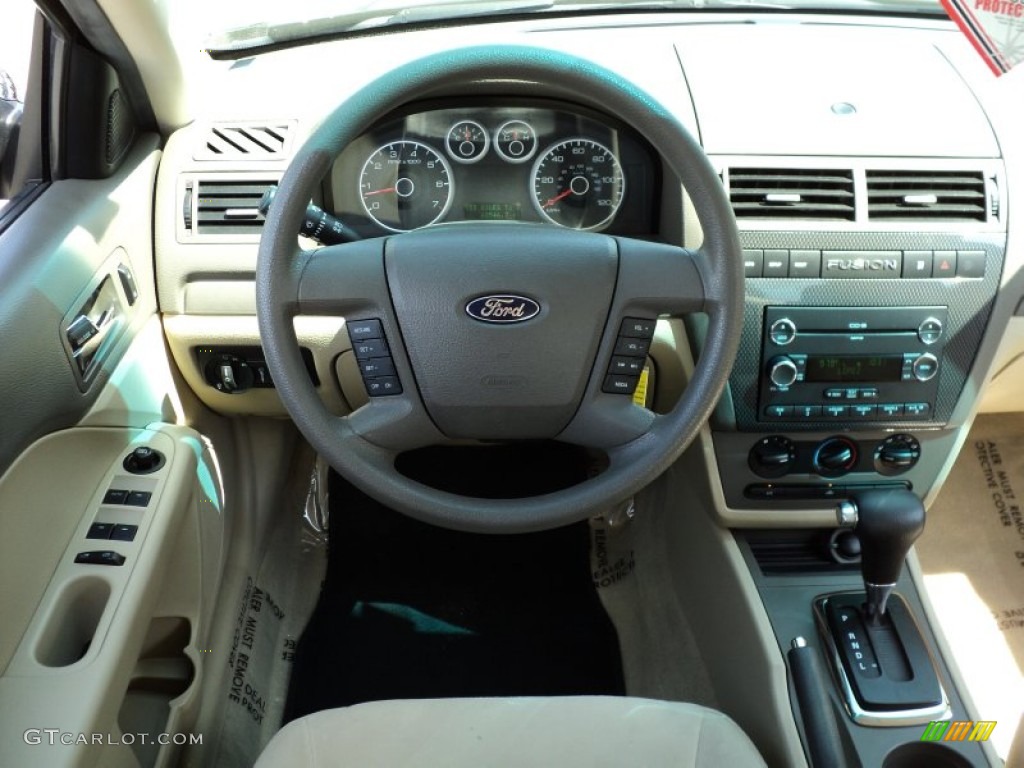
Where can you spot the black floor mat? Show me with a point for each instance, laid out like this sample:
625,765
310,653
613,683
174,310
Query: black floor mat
413,611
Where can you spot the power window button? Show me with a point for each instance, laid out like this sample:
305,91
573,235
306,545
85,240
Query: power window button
100,557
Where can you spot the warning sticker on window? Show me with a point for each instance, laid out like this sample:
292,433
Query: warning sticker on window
994,27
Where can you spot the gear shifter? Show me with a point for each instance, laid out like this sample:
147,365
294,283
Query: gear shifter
888,523
879,655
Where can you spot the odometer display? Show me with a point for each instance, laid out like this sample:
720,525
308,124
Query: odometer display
578,184
405,185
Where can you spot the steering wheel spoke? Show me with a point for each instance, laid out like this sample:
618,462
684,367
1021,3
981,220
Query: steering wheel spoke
660,279
344,280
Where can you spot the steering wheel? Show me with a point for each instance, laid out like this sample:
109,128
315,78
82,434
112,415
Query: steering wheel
569,293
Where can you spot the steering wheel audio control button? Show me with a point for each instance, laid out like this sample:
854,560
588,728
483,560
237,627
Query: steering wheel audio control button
620,385
626,366
637,328
632,347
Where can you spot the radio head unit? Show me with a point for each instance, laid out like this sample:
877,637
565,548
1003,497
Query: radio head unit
851,364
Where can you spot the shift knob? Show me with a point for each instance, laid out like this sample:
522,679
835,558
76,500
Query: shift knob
888,523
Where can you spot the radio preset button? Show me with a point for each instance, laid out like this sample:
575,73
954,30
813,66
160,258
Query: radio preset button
783,372
890,410
835,411
782,331
863,411
917,410
779,411
925,367
807,411
929,331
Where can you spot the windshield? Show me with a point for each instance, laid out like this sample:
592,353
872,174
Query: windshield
242,25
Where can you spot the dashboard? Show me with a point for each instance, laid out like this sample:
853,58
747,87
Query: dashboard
487,160
872,197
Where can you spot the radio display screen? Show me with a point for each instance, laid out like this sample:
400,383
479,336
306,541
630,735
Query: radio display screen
853,368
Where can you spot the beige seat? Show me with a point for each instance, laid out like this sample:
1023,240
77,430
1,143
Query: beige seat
573,731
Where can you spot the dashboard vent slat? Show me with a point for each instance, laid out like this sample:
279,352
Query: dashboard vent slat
937,195
229,207
791,193
244,141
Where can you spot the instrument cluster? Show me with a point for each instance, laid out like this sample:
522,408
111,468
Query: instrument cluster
496,161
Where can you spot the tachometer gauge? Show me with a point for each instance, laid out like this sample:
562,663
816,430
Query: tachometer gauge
515,141
467,141
405,185
578,184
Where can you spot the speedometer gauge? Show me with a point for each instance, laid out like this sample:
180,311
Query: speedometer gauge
578,184
405,185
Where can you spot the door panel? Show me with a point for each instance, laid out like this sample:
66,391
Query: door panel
52,257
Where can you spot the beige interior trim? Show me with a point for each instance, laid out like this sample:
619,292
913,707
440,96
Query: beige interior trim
78,629
325,337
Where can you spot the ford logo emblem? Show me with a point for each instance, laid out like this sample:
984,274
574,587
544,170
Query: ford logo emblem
503,308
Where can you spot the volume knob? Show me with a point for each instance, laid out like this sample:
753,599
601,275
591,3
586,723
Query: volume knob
782,371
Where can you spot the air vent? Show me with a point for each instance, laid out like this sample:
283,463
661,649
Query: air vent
228,207
245,141
941,195
791,193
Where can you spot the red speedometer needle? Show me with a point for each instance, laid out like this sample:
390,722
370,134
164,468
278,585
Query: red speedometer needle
556,198
379,191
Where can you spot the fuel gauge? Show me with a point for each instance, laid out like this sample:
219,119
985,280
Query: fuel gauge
467,141
515,141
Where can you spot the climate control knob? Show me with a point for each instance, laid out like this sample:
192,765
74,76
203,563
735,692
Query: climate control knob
772,456
835,456
896,454
782,371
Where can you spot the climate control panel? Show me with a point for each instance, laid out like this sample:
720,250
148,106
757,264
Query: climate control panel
776,456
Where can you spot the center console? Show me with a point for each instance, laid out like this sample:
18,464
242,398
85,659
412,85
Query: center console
852,389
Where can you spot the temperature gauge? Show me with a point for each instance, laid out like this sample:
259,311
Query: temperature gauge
467,141
515,141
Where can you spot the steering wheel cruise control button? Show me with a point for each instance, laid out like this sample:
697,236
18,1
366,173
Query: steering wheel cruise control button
370,348
377,366
365,329
375,363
